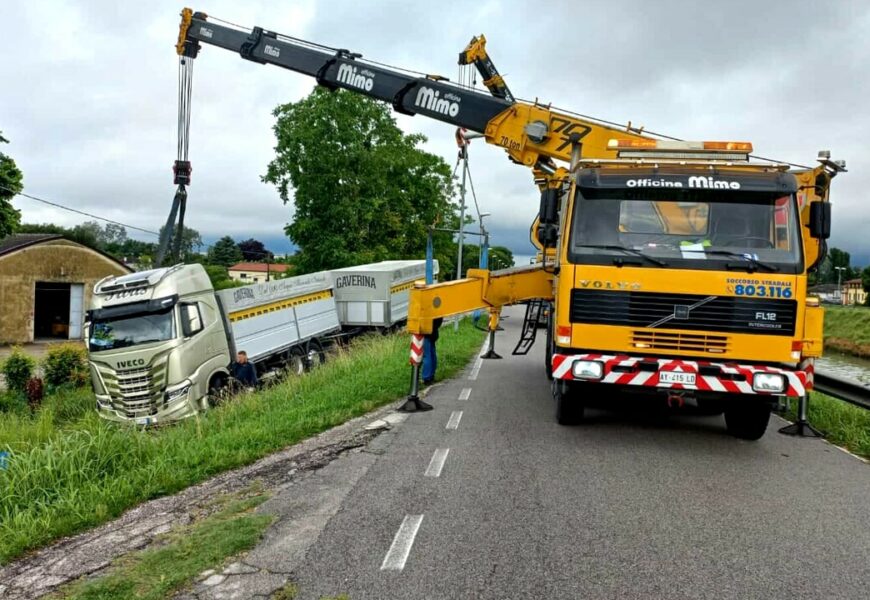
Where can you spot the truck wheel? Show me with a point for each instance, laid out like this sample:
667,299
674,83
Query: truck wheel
314,354
218,391
550,350
569,406
747,419
296,362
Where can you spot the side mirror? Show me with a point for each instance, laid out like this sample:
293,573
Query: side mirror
820,220
191,320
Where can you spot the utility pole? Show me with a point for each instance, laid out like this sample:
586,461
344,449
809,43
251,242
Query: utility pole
839,287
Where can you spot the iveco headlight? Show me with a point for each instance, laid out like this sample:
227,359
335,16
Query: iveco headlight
588,369
175,394
768,382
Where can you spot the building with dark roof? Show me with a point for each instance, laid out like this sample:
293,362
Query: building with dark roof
46,283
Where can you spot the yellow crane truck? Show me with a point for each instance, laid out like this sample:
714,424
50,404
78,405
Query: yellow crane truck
671,267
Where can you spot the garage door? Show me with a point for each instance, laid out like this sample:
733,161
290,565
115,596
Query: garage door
76,310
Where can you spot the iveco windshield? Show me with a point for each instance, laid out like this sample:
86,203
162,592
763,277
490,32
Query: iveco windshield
130,330
689,229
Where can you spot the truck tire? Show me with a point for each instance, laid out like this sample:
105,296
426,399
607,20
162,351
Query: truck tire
747,419
314,354
296,363
550,349
569,405
218,390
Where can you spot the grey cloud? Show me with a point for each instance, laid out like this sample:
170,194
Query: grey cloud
91,113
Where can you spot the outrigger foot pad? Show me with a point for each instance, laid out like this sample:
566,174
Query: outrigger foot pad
414,404
801,429
491,354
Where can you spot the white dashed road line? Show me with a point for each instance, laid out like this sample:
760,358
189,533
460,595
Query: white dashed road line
475,370
453,422
465,393
437,463
401,546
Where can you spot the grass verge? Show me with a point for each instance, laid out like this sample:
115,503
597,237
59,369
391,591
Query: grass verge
847,329
843,424
64,478
182,554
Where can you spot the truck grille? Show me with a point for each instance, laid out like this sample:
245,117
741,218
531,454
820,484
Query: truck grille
686,342
136,392
684,311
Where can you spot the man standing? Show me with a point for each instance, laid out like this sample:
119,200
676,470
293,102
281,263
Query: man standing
244,371
430,357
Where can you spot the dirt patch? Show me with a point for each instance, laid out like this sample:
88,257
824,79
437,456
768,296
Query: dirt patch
848,347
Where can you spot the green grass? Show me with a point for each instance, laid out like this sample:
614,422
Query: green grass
67,475
843,424
847,329
181,555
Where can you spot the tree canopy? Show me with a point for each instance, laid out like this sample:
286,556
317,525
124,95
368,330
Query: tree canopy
255,251
10,185
362,189
225,252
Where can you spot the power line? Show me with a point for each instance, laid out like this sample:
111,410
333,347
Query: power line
81,212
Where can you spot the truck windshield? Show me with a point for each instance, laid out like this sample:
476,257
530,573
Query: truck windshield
696,229
130,330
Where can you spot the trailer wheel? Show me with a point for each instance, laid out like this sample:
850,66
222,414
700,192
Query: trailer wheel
296,363
747,419
569,406
314,354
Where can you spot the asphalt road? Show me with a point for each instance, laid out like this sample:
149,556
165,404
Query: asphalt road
631,505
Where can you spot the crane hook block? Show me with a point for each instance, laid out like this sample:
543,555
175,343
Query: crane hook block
182,170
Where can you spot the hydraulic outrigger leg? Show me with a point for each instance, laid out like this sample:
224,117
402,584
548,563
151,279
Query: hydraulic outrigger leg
413,403
493,326
801,427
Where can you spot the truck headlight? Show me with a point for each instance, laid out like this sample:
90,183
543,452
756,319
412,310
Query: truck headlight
768,382
175,394
588,369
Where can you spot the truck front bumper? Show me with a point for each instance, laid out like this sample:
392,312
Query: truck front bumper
174,410
684,375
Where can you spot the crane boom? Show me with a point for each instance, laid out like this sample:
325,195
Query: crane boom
529,132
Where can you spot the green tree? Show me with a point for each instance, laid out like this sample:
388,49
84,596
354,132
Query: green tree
10,185
500,257
225,252
362,189
255,251
828,271
220,279
191,243
84,237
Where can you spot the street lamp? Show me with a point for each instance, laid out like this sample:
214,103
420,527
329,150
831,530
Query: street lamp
839,287
483,245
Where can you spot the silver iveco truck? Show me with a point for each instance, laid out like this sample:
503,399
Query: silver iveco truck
161,342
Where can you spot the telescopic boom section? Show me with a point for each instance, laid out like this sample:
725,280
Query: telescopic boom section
528,132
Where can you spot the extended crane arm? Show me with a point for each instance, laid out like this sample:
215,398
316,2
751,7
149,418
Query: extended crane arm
528,132
476,53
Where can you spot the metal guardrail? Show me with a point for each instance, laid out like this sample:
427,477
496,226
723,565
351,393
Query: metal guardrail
847,390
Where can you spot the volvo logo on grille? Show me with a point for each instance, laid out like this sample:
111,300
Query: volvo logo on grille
681,311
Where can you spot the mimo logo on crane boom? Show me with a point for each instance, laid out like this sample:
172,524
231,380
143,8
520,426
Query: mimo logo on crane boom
362,79
432,100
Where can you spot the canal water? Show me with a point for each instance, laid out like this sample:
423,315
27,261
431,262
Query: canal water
844,365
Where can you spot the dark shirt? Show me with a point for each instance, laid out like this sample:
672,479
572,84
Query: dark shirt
245,373
436,325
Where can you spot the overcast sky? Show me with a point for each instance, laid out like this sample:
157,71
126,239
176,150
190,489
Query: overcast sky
89,95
